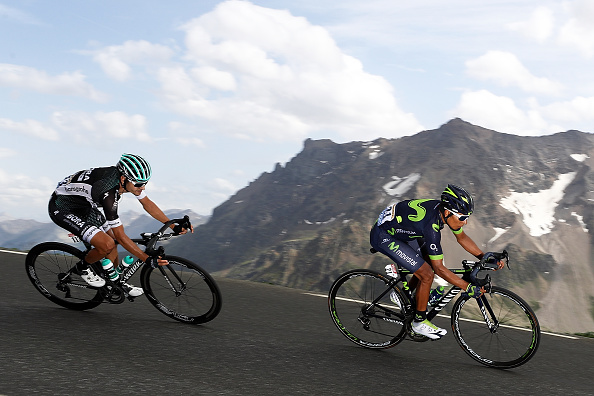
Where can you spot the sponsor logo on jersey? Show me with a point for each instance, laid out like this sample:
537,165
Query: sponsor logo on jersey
75,189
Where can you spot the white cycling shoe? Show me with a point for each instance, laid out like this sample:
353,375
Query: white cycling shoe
132,291
92,279
428,329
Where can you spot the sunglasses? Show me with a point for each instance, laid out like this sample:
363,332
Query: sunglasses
460,217
138,185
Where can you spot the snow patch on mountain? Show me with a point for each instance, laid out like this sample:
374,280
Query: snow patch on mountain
399,186
498,233
538,209
580,220
580,157
376,153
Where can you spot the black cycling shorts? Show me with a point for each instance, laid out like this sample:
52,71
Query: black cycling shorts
406,254
84,222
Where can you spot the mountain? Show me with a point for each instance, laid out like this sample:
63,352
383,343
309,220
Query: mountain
305,223
24,234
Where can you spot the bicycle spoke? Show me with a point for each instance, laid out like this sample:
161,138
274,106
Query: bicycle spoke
499,330
360,306
183,291
47,264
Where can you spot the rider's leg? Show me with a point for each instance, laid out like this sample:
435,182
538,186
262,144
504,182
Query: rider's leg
420,323
103,246
425,278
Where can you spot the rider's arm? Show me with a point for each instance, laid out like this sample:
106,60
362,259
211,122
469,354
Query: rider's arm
468,244
444,273
152,209
110,209
125,241
156,212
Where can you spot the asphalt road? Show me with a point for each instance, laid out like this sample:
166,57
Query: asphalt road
267,340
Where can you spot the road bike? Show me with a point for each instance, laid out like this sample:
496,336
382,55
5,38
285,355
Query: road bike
375,310
181,290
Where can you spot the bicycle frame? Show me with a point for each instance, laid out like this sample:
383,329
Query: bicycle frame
439,305
149,241
374,310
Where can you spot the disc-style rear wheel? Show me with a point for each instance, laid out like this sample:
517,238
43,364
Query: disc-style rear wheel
48,265
362,309
182,290
498,330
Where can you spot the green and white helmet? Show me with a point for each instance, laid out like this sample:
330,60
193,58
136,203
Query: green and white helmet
456,199
135,168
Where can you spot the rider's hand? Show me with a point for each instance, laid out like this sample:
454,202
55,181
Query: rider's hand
155,261
491,260
474,291
179,229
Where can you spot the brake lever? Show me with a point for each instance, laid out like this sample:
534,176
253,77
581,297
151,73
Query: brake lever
177,229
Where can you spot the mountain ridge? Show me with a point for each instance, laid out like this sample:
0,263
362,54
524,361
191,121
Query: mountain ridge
306,222
303,224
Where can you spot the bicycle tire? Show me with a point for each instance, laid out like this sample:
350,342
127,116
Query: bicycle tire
197,301
46,262
379,327
515,334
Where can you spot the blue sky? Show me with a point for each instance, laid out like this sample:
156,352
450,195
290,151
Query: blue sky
213,93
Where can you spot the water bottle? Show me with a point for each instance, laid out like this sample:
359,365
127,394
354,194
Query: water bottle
126,262
436,295
108,268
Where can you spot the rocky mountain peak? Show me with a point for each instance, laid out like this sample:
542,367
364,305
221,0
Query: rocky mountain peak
306,222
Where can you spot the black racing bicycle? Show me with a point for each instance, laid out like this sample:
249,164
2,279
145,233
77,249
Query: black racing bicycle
181,290
374,310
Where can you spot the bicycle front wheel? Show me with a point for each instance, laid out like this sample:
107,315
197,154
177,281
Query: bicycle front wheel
362,309
498,330
47,267
182,290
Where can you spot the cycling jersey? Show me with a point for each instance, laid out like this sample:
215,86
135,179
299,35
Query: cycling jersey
75,202
407,230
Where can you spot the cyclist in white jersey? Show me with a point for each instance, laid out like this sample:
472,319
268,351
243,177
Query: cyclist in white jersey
75,205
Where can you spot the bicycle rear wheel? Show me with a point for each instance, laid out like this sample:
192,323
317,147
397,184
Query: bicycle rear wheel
47,265
503,333
361,315
182,290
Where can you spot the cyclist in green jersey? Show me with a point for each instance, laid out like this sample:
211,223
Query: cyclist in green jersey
75,204
409,232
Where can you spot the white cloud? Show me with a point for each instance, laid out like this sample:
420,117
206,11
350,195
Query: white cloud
7,153
576,110
115,60
578,32
221,189
29,127
529,118
18,15
539,27
500,113
506,69
224,185
101,126
37,80
213,78
185,134
19,193
262,74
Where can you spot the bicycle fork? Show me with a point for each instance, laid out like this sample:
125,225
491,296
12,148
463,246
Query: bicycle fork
171,285
488,314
